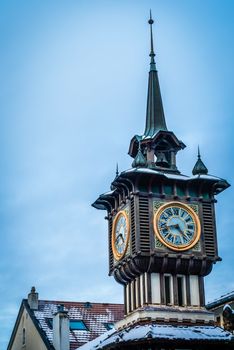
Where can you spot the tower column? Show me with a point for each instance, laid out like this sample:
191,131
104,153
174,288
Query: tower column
164,289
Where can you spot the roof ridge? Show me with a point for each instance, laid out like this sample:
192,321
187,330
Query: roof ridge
78,302
221,297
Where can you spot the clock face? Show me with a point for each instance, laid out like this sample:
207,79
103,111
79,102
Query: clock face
177,226
120,235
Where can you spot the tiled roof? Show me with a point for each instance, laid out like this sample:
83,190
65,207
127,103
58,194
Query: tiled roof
221,301
160,334
94,316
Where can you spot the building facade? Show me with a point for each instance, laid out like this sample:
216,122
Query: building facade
61,325
223,309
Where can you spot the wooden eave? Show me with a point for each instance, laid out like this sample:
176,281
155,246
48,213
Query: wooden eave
168,136
128,181
216,185
106,201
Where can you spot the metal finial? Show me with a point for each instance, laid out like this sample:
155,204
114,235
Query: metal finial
117,169
139,145
150,21
198,152
152,54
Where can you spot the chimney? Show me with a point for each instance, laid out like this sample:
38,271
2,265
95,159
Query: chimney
33,299
61,329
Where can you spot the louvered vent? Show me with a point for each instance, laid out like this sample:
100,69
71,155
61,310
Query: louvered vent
144,224
208,226
133,228
111,258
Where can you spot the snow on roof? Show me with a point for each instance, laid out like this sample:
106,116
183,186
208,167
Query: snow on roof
208,177
94,344
173,176
95,316
109,193
161,333
221,300
227,308
152,171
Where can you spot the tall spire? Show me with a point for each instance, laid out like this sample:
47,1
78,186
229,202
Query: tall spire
155,119
158,146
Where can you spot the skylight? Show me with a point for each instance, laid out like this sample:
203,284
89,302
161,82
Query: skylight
75,325
78,325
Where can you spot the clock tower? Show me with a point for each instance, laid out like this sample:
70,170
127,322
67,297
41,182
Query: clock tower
162,231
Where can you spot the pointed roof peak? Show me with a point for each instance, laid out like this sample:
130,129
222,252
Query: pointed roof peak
199,167
139,160
155,119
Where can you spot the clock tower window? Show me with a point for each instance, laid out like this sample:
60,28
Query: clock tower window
194,290
168,289
155,288
181,290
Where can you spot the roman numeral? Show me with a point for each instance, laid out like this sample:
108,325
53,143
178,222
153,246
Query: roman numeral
175,211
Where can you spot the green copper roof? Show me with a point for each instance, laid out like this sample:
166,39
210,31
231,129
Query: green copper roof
199,167
155,119
139,160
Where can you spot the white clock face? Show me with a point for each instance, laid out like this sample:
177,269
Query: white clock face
120,235
177,226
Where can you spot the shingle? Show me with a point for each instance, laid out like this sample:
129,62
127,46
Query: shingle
94,315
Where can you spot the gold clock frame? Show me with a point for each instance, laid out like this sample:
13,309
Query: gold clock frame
195,219
116,254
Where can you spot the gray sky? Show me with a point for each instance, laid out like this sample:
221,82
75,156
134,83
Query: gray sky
73,93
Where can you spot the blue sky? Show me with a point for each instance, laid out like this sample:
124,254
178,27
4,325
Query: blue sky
72,94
